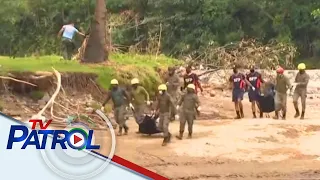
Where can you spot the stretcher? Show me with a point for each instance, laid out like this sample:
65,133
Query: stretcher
266,103
149,125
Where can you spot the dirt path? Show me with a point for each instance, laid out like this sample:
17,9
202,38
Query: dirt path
228,149
232,149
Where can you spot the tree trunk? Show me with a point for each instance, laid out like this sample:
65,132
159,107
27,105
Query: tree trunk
96,50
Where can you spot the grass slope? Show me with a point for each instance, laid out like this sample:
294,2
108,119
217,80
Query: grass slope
124,67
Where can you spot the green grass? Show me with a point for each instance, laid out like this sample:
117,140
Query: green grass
121,66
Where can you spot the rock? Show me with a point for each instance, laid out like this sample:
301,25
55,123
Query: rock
212,93
41,102
46,97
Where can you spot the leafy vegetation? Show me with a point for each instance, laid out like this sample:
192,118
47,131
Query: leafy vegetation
187,27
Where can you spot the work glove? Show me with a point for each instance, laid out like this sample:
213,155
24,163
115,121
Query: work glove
253,88
131,106
102,108
148,103
199,109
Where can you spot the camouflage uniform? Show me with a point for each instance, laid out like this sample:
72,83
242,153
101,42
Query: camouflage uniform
139,98
300,91
118,96
173,84
164,105
281,88
190,102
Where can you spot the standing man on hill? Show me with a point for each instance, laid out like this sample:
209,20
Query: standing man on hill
301,82
173,84
68,32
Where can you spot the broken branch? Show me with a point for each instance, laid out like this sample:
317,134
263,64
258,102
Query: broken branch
17,80
51,101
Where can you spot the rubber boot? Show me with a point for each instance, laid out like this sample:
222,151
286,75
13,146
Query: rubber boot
238,115
261,114
241,113
297,112
190,135
180,136
126,129
284,113
302,115
165,141
169,138
276,115
254,115
120,132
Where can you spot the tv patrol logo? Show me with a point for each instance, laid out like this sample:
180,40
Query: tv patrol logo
69,152
76,138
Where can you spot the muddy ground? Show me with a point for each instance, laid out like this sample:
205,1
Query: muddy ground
221,148
232,149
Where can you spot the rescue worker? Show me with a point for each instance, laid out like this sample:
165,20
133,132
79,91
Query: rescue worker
118,96
190,105
191,78
301,82
140,97
238,81
68,31
164,104
255,79
281,87
173,84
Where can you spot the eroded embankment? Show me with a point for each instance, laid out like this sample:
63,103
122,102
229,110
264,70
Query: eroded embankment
46,82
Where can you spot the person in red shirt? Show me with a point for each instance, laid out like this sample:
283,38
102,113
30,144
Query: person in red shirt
238,81
255,79
191,78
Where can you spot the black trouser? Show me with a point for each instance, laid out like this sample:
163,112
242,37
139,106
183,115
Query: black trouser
68,47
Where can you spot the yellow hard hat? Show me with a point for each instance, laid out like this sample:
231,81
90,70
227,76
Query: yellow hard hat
162,87
191,86
114,81
135,81
301,66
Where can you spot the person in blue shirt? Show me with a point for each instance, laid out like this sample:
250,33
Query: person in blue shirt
68,31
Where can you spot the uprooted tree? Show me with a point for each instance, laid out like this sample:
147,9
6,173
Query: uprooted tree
95,48
250,52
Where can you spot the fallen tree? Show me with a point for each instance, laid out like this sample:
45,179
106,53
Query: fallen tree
246,53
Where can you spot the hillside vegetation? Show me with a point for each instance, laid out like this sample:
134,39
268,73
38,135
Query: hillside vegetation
121,66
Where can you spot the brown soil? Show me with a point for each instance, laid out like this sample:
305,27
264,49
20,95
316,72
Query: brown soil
232,149
221,148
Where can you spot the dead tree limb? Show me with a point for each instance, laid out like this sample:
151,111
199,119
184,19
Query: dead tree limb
51,101
17,80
